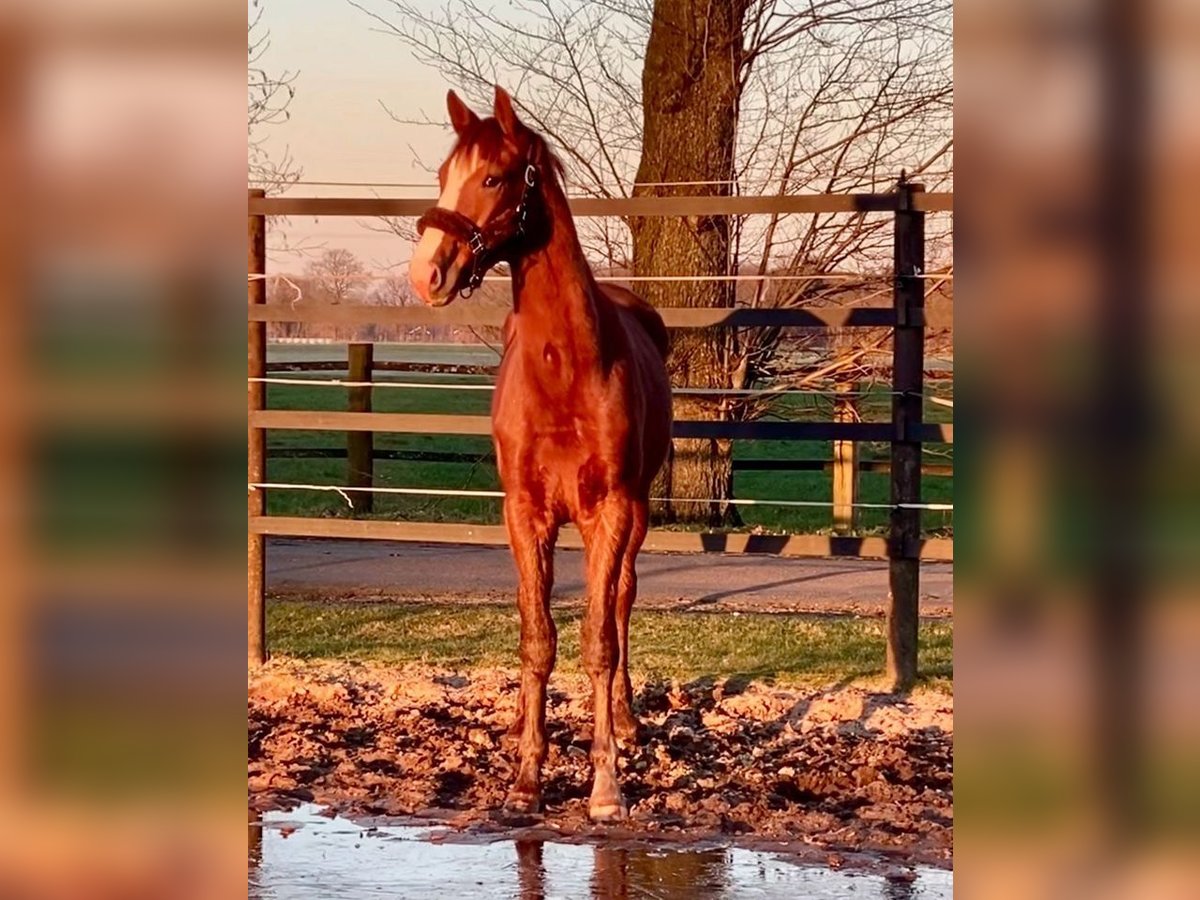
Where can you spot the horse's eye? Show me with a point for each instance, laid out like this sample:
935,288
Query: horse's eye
492,181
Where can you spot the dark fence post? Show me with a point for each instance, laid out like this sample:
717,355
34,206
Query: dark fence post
360,445
908,366
256,367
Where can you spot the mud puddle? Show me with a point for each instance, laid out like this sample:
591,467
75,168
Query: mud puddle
840,769
303,854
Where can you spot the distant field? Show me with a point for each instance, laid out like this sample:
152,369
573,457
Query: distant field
465,354
482,475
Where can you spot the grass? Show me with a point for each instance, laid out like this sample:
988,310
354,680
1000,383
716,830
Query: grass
787,649
874,487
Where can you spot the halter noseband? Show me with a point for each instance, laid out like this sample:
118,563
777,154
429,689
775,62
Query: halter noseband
485,244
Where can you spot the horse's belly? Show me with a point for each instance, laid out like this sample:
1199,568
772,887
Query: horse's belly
560,469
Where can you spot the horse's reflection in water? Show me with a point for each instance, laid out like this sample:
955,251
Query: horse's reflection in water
623,873
255,839
531,874
610,873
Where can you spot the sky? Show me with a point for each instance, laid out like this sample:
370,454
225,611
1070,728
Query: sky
338,130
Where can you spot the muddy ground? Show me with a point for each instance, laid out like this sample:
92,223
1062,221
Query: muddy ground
842,769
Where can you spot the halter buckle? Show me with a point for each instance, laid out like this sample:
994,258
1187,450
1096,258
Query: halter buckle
475,243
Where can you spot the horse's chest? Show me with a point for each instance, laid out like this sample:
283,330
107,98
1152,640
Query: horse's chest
559,438
564,453
557,430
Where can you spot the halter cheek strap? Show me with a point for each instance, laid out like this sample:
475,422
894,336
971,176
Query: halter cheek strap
485,244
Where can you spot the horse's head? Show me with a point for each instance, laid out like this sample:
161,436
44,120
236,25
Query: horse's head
487,187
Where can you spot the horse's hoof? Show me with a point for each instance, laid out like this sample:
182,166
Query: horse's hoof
512,736
625,727
608,812
523,802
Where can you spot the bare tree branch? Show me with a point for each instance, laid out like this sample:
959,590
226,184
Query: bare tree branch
268,98
835,95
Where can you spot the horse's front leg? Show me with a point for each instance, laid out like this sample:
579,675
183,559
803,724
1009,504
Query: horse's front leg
605,534
531,534
625,724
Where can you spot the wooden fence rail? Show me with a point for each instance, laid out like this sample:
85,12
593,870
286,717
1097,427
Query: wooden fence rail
906,433
441,423
680,317
739,465
359,454
623,206
479,370
818,545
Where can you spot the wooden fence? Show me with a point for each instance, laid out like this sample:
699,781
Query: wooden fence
906,432
844,465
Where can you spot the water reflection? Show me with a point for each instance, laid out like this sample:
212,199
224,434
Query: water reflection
899,890
255,840
619,873
298,855
531,874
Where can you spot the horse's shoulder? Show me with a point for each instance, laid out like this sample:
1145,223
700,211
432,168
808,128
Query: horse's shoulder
645,314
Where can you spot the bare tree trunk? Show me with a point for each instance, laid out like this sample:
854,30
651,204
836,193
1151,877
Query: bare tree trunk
690,93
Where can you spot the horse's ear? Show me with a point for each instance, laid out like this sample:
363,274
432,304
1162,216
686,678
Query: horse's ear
504,113
461,115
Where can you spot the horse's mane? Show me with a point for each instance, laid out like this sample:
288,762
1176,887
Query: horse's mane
546,159
489,137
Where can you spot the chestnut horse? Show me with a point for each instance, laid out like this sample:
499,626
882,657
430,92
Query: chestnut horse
581,417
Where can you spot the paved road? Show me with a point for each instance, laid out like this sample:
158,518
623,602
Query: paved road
381,569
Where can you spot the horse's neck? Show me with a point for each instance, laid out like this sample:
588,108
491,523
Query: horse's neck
554,295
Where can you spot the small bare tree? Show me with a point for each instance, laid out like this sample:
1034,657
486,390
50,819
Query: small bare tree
338,275
391,291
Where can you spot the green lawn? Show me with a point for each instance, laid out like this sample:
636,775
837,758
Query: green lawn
789,649
482,475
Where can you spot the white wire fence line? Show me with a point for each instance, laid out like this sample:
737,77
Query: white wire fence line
489,386
346,490
432,185
767,277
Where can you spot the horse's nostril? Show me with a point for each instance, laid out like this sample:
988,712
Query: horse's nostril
435,277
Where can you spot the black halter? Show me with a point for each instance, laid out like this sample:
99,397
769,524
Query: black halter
488,243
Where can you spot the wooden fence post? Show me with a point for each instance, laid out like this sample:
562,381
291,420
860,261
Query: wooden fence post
360,445
256,367
908,366
845,461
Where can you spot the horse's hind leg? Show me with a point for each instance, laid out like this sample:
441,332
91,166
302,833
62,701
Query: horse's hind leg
605,534
624,722
531,536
